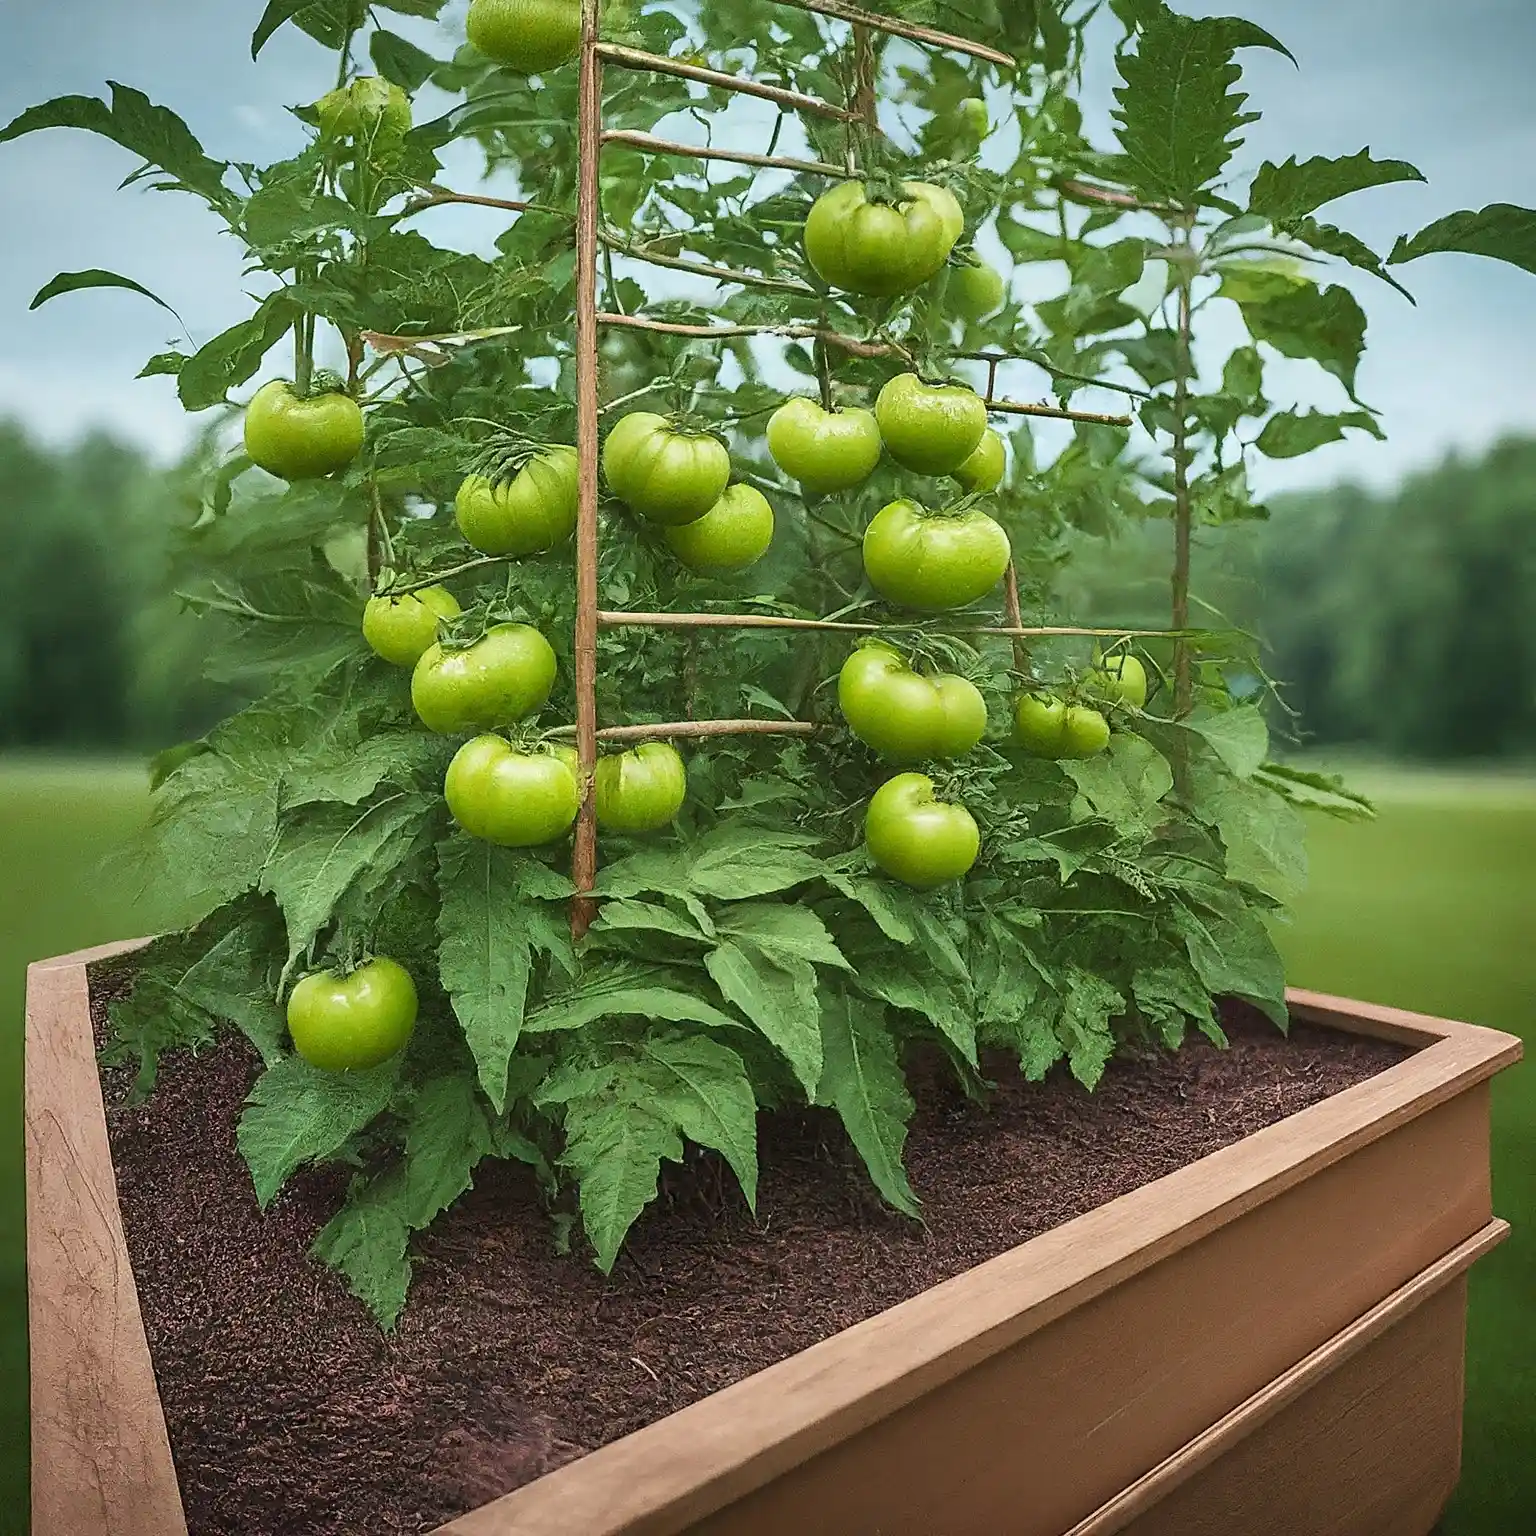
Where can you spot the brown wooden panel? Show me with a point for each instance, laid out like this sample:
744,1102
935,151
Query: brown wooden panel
1372,1450
1082,1408
101,1462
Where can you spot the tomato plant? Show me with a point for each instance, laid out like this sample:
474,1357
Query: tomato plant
353,1022
748,339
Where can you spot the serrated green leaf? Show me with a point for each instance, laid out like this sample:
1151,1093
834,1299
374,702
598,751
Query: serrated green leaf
1284,193
778,994
1325,324
1265,838
1125,785
1235,956
1178,116
1087,1006
705,1086
322,849
1239,737
862,1079
162,364
237,980
446,1135
621,992
1170,995
491,920
783,932
1289,434
297,1114
880,899
366,1242
734,864
285,211
1503,231
233,356
276,13
946,1003
647,917
1325,792
1333,241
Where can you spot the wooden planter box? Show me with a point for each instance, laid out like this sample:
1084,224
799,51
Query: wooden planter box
1269,1340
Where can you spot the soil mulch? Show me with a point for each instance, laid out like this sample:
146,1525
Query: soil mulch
290,1414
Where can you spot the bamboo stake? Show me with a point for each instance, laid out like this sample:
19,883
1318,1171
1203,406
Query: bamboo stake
1056,413
650,144
906,29
849,344
617,242
584,858
636,58
680,730
609,619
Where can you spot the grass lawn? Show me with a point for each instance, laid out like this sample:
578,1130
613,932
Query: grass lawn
1429,907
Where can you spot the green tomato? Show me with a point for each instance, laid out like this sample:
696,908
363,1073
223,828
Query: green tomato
532,512
984,470
880,248
369,108
826,451
403,629
732,535
1086,733
930,428
975,292
641,790
1048,727
298,439
933,560
510,798
918,838
501,678
530,36
972,124
905,716
350,1023
1119,678
668,476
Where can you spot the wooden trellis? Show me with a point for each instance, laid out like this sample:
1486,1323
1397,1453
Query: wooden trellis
591,321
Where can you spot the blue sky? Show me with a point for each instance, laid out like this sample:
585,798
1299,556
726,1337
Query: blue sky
1446,87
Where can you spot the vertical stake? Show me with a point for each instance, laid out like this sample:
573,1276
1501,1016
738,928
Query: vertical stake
590,133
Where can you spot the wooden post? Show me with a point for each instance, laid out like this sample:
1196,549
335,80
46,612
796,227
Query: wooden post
590,144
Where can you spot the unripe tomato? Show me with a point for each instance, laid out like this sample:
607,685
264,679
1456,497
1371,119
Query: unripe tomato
826,451
499,679
732,535
930,428
984,470
530,36
641,790
1119,677
972,124
668,476
532,512
510,798
369,108
932,560
1048,727
975,292
891,708
918,838
349,1023
301,439
881,248
403,629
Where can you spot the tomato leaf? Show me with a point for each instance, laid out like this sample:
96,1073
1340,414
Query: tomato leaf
297,1114
366,1242
862,1079
95,277
1325,324
446,1135
624,992
1288,434
1503,231
237,980
1283,193
233,356
401,61
496,911
777,992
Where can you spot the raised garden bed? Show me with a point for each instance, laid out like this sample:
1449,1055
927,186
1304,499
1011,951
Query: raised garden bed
1225,1293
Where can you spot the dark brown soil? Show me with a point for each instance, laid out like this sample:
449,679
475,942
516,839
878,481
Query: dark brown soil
290,1413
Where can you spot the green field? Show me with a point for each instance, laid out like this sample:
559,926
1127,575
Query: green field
1428,907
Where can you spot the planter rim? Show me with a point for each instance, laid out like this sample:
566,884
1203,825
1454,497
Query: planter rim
695,1461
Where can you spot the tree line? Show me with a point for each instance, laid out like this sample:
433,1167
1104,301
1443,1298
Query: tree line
1404,622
